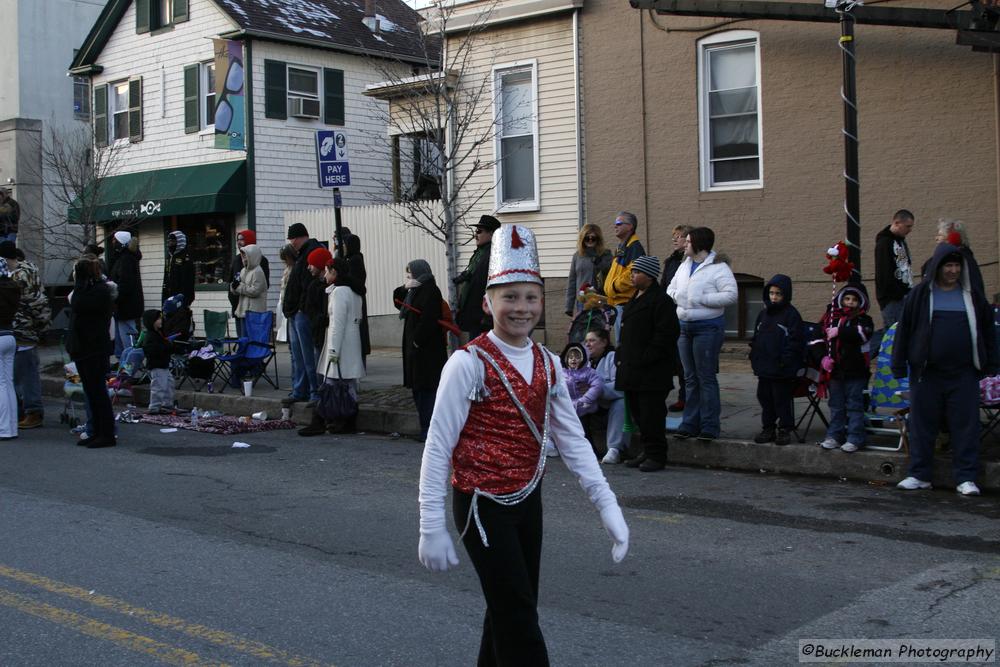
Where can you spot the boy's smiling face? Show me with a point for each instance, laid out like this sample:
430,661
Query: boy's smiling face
517,307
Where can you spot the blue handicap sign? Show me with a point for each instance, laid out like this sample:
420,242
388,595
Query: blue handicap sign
331,153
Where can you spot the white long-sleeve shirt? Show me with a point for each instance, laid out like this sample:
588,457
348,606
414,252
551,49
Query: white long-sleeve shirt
451,408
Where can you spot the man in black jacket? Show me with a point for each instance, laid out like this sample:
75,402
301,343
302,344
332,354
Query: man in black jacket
946,341
645,360
124,272
178,274
893,270
305,382
472,281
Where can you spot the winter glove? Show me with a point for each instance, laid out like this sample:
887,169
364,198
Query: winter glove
334,358
614,523
832,332
827,363
437,551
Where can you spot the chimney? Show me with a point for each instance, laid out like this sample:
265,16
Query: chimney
369,20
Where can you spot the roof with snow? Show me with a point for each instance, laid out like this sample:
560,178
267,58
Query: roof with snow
326,24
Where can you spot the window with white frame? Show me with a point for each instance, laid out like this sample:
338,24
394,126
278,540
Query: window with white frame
81,97
729,104
516,142
303,92
118,110
207,87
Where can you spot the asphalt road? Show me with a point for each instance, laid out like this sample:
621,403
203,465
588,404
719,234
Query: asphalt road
178,549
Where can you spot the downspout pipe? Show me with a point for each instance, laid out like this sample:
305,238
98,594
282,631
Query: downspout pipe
581,212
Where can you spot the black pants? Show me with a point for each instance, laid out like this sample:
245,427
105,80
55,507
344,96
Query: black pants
508,574
775,398
93,376
649,413
932,397
424,399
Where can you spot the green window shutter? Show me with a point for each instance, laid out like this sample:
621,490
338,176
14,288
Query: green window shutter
333,96
192,107
101,115
180,11
142,15
275,89
135,109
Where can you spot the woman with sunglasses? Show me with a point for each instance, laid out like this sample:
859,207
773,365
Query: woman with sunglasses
590,264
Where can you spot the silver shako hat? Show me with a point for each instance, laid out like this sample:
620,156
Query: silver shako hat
513,257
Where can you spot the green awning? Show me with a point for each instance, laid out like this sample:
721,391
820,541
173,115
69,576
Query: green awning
204,188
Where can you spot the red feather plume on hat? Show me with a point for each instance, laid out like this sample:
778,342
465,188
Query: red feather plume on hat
955,239
839,266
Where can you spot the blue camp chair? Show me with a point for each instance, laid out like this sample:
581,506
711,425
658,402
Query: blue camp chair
888,397
251,354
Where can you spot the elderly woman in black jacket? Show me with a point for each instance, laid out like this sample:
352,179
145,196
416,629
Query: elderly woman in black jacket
89,346
424,343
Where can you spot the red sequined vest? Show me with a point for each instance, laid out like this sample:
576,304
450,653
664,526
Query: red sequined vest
496,451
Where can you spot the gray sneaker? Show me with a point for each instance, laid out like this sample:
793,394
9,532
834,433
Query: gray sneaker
968,489
912,484
849,447
829,443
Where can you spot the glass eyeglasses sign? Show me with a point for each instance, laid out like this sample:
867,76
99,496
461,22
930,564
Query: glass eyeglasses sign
234,85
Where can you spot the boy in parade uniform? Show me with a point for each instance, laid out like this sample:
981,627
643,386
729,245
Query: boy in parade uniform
501,398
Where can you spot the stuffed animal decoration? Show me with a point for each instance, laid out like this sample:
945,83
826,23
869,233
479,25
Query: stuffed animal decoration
839,265
590,298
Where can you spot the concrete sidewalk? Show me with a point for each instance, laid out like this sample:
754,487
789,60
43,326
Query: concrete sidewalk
387,407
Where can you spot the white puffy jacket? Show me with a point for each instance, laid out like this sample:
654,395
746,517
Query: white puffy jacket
704,294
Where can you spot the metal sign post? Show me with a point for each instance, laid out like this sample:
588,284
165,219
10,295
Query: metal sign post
341,251
852,185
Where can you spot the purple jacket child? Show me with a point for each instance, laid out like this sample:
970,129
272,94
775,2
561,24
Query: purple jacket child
582,381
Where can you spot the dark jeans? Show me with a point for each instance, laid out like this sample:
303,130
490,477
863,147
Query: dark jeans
931,398
93,376
508,574
649,413
424,399
775,398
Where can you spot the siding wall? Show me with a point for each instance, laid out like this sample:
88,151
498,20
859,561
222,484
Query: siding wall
285,154
916,151
549,40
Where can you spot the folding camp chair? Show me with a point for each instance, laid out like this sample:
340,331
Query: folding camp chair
806,383
197,369
888,398
252,353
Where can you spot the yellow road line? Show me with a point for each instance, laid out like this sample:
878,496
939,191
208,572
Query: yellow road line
218,637
661,518
88,626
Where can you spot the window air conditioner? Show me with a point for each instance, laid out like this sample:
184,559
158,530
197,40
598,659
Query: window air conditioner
303,107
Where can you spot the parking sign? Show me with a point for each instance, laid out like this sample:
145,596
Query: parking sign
331,159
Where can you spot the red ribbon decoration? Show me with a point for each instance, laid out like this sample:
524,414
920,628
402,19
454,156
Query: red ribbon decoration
515,239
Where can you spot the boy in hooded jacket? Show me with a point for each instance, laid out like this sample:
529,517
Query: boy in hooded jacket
776,358
847,328
157,349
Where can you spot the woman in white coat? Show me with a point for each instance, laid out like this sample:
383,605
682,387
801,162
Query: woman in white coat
341,358
702,288
252,286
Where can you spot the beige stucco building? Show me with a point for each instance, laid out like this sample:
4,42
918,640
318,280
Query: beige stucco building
928,138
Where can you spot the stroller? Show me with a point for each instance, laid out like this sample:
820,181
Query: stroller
73,393
601,317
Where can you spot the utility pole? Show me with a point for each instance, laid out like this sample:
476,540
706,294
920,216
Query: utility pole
849,93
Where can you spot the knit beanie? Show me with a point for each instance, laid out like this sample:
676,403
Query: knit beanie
249,237
319,258
297,230
648,264
123,237
181,239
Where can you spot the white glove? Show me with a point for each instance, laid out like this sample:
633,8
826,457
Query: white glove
437,551
614,523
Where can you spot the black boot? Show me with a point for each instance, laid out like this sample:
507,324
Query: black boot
316,427
767,434
346,426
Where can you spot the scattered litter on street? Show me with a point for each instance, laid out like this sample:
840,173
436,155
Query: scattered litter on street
241,445
168,430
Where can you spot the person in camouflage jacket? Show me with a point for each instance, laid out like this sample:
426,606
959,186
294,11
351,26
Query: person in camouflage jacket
30,322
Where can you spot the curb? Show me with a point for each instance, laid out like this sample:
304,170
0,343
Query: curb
378,419
875,467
